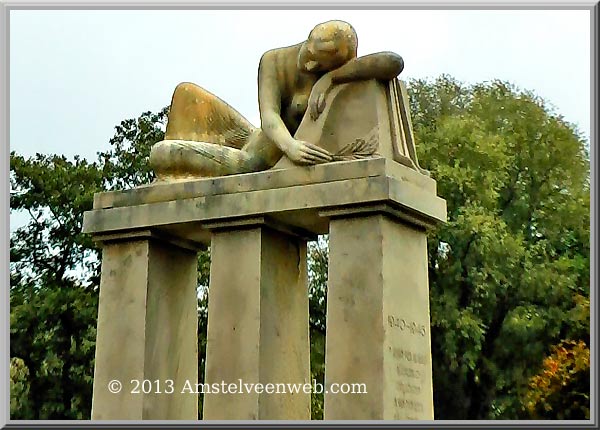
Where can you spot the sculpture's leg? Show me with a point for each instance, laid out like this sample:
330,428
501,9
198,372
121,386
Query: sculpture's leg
207,137
184,158
200,116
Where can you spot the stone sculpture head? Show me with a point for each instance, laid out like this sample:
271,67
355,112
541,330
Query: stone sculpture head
329,45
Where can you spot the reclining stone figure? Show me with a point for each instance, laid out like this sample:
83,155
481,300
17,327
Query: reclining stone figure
206,137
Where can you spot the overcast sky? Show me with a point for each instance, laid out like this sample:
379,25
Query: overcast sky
74,75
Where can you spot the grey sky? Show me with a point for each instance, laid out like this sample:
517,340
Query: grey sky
74,75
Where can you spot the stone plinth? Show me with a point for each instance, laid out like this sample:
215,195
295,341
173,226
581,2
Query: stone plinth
257,323
375,210
378,319
291,197
147,330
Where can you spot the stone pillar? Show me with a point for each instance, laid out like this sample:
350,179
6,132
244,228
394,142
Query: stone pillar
147,330
258,319
378,319
257,324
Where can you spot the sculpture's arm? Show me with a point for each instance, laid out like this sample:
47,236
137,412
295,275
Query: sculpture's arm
269,101
382,65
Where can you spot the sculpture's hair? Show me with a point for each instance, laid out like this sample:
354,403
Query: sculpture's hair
341,33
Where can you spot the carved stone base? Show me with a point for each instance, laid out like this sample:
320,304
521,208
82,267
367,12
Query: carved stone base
375,211
377,319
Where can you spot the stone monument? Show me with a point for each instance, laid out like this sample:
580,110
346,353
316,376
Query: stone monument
335,154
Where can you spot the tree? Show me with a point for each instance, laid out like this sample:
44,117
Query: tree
20,386
53,310
317,293
509,273
508,268
562,387
55,270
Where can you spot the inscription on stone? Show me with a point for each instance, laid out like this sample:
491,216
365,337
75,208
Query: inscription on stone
412,405
410,356
407,388
411,368
410,326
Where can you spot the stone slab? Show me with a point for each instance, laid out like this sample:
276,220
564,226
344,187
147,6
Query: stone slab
270,179
292,197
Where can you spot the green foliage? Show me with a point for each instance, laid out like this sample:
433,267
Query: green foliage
507,268
55,270
20,386
203,281
53,308
317,284
509,273
126,164
53,330
55,192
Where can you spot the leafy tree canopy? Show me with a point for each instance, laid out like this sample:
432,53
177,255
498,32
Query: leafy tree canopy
510,269
509,273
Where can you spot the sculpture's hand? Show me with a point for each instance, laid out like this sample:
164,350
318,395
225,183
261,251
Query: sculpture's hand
305,153
321,90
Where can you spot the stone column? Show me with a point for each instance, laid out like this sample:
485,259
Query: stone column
378,318
258,320
257,324
147,330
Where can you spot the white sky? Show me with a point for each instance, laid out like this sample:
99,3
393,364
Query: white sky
75,75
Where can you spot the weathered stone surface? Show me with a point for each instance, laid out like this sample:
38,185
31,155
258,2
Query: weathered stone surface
257,323
272,179
205,137
293,197
376,208
147,330
361,120
376,212
363,110
378,330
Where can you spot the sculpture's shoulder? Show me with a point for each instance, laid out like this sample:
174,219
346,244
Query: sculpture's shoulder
281,57
279,67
